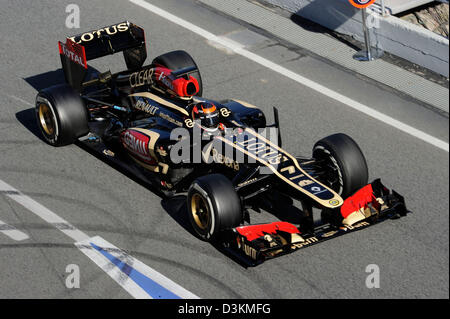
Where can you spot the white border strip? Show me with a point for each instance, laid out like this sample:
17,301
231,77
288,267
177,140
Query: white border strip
155,276
294,76
42,212
111,270
83,242
12,232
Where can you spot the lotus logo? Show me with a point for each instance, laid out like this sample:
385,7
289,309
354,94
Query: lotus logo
96,34
334,202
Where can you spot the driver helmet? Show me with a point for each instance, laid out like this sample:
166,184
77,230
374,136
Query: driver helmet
208,115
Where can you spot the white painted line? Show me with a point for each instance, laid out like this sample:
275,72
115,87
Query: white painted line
294,76
43,212
114,272
146,280
138,279
12,232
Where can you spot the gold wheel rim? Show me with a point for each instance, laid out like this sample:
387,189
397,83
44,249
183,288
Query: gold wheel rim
46,119
200,211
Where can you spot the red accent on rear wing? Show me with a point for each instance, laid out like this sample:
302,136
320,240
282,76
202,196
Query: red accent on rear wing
74,63
87,46
75,52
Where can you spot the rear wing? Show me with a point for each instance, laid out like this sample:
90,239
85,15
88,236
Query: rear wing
124,37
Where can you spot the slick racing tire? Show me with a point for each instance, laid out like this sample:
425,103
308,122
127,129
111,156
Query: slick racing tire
213,206
176,60
343,162
61,115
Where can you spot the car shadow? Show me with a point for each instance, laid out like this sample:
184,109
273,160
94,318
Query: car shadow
51,78
176,207
28,119
45,80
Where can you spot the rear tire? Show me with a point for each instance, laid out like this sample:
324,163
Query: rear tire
176,60
213,206
61,115
344,162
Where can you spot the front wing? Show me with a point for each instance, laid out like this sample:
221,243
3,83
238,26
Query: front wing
253,244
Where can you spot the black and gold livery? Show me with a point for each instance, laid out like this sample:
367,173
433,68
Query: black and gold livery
234,163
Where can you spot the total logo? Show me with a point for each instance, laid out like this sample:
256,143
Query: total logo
72,55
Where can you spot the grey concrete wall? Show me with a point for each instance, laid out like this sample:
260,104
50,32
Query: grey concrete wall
390,33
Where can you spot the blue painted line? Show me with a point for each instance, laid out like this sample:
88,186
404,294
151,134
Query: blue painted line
155,290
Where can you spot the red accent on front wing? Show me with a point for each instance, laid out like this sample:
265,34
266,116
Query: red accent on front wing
359,200
255,231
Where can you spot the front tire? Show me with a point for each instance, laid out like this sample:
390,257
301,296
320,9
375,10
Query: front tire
61,115
344,164
213,206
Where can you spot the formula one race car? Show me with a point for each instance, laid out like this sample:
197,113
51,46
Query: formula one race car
153,120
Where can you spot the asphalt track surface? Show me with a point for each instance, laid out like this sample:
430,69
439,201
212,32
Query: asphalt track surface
411,253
